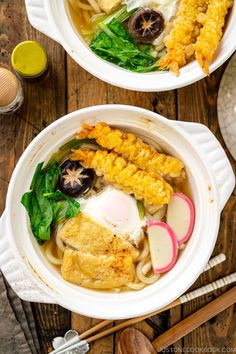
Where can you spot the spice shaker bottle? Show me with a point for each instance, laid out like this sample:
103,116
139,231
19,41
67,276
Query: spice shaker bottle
30,61
11,93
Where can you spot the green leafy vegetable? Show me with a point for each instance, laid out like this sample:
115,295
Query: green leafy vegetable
115,45
47,207
36,175
141,209
52,173
76,144
64,207
65,149
26,201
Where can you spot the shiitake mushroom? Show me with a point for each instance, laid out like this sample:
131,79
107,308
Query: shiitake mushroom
75,180
145,25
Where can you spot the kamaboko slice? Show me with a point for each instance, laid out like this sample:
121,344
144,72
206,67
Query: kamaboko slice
211,32
163,246
180,217
134,150
182,35
149,187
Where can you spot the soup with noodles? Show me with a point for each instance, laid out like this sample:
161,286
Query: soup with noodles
109,210
151,35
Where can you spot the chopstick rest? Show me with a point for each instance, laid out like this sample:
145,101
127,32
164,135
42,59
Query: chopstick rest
69,342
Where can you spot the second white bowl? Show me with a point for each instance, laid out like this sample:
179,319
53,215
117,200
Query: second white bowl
52,18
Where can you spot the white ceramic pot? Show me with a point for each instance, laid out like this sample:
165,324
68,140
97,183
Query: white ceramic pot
211,180
52,18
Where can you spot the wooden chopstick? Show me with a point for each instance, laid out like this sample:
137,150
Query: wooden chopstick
183,299
195,320
96,328
211,264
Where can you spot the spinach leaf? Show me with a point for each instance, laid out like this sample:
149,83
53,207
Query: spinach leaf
115,45
73,208
64,207
36,175
51,177
119,31
35,215
26,200
45,209
59,212
45,206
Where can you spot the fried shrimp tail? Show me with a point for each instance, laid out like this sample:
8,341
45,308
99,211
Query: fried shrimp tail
212,31
179,42
149,187
134,150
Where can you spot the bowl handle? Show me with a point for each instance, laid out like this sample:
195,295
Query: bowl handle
17,273
215,156
39,19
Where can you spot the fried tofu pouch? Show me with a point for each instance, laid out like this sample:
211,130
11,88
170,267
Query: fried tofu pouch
87,236
103,272
149,187
134,150
94,257
212,31
179,42
109,5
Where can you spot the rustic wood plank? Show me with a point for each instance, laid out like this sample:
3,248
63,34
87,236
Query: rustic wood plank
198,103
83,89
42,105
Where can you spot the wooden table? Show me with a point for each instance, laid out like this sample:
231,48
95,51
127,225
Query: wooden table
70,88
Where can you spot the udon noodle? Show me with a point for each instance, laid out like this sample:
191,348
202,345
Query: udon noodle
85,13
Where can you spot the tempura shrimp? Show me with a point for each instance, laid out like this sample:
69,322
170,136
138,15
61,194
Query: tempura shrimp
211,32
179,42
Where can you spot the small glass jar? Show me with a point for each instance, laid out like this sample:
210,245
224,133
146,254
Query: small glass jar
30,61
11,93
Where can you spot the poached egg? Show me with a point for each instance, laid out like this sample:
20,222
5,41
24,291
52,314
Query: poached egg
166,7
117,211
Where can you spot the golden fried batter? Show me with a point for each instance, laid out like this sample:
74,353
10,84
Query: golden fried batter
149,187
179,42
134,150
212,31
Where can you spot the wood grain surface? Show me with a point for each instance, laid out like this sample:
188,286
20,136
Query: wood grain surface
69,88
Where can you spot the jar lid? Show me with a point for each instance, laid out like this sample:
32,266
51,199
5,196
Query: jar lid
9,87
29,58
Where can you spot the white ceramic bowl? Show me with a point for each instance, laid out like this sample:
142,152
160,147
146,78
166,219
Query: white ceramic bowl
52,18
211,180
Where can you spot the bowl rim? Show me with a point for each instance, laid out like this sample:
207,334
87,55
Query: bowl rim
97,310
114,75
